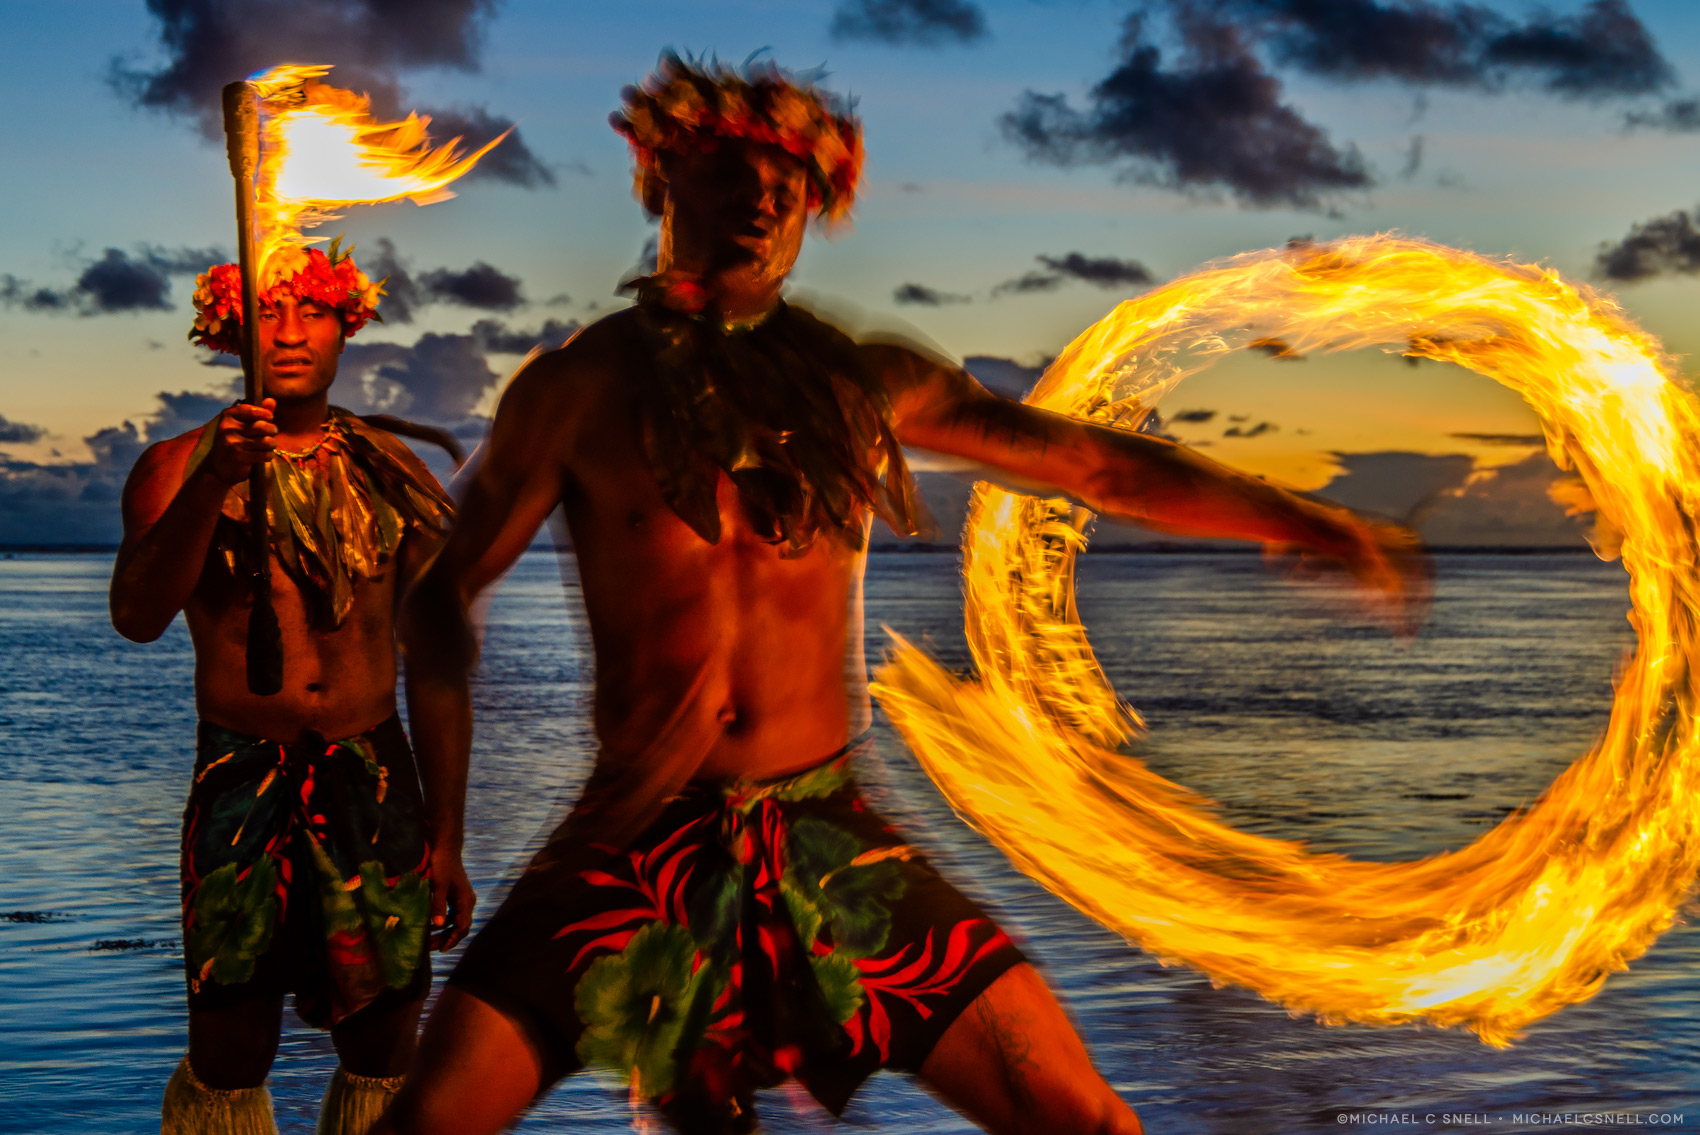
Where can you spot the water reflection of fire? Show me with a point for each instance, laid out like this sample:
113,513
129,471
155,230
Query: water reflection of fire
1529,918
321,150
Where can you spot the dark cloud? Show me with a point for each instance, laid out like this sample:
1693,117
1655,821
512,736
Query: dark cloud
1028,283
1275,349
1104,271
1661,246
443,377
1396,484
481,286
77,502
370,42
207,41
118,281
182,261
1681,116
1363,39
1453,501
1516,505
186,410
1413,162
19,433
1214,122
924,23
1502,439
512,162
21,293
1449,498
402,295
438,380
921,294
1258,430
1193,416
1603,50
499,339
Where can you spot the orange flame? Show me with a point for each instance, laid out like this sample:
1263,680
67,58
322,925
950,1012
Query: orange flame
1528,919
321,150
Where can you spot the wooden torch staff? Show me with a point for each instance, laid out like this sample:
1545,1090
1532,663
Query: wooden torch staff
242,140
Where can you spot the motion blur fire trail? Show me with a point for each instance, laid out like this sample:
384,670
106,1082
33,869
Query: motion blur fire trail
1528,919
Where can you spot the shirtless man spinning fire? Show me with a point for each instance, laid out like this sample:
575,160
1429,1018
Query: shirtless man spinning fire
721,911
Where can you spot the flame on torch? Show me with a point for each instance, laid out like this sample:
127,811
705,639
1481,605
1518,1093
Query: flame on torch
1526,920
298,149
321,150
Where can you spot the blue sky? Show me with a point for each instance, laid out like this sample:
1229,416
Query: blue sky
950,203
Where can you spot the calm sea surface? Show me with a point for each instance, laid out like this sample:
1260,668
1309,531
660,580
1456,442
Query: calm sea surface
1298,719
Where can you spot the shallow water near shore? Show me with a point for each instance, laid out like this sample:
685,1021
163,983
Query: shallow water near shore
1299,719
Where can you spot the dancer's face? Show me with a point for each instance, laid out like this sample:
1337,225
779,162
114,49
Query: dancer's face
298,345
735,215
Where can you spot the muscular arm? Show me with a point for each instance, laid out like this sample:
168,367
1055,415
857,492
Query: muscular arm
169,519
516,482
442,774
1135,477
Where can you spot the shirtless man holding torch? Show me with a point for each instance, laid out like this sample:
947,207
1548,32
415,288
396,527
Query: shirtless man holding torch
309,861
721,911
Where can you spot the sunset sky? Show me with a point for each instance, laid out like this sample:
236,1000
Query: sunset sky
1545,133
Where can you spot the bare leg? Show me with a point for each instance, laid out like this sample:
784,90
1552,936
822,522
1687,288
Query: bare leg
234,1047
379,1041
475,1071
1013,1063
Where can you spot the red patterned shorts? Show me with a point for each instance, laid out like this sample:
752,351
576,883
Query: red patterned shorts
757,930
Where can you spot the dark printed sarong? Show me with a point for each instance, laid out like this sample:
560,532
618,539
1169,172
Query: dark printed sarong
756,930
305,870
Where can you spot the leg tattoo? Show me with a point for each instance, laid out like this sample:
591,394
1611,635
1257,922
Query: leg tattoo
1010,1034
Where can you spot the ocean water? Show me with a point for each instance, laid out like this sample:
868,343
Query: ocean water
1298,718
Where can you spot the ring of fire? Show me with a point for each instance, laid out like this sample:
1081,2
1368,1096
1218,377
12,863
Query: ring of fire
1529,918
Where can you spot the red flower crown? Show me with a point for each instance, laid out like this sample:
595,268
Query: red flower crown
761,102
334,281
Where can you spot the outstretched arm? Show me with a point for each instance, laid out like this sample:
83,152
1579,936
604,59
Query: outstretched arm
516,481
1139,478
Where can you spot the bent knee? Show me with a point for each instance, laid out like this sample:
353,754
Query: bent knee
1080,1106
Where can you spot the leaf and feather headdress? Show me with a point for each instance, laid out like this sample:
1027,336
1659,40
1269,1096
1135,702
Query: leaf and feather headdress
332,279
685,100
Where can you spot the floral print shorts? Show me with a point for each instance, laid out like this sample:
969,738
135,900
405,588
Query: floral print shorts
758,930
305,870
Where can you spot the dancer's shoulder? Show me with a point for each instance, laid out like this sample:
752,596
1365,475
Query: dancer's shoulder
589,357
